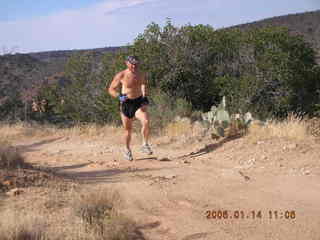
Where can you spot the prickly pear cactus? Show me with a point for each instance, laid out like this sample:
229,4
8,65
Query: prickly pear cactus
221,124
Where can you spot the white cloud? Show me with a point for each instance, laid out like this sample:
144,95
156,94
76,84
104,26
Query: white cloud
111,7
70,29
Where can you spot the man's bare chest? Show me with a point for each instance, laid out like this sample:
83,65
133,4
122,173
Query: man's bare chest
131,81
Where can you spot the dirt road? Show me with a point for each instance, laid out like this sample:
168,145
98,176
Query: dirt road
200,189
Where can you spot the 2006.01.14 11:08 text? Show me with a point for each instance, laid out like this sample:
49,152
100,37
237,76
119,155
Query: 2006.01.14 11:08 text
240,214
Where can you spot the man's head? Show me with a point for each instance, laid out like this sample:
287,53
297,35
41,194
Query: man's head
132,62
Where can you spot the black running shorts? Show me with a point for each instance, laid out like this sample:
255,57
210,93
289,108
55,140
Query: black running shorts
130,106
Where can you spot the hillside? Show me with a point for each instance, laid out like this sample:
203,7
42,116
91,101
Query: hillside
34,67
56,60
306,24
50,62
64,54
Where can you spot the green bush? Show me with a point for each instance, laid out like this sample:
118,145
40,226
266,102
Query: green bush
164,108
266,71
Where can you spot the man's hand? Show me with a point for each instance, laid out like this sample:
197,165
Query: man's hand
145,101
115,85
123,98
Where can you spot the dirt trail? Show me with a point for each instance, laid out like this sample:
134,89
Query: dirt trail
172,192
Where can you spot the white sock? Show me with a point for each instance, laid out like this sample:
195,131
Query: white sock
127,149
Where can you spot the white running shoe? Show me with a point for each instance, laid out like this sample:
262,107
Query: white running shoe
128,155
145,148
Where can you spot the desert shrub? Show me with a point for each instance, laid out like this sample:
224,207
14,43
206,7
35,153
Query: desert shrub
99,212
18,226
95,207
313,127
10,158
164,109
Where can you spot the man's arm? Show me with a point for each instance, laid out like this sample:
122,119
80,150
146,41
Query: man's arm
144,85
113,88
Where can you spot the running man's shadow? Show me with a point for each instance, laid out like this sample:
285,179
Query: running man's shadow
210,148
146,158
100,176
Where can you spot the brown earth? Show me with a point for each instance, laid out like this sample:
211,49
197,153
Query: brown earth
172,193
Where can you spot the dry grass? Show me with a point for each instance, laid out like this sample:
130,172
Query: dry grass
94,207
87,215
91,130
99,212
12,132
22,226
178,128
9,131
292,128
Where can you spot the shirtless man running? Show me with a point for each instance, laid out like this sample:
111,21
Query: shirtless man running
133,102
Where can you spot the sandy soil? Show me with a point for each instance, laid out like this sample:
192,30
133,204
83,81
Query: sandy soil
269,188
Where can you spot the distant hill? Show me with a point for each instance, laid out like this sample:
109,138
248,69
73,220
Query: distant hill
64,54
55,60
19,70
306,24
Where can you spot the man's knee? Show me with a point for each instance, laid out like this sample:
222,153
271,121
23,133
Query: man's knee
128,128
145,121
127,132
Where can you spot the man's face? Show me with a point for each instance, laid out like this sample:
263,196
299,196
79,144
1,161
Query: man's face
132,67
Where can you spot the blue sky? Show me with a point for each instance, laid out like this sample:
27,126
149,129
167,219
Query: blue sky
33,26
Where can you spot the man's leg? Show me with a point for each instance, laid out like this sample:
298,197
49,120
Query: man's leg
127,124
143,116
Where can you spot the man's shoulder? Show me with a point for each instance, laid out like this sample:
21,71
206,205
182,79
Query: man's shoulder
120,75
